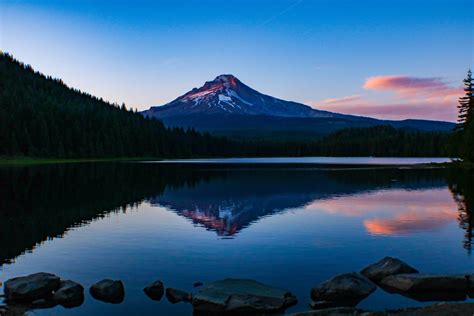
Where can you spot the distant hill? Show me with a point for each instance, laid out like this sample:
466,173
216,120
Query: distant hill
226,106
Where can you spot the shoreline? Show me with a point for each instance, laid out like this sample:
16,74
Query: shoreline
26,161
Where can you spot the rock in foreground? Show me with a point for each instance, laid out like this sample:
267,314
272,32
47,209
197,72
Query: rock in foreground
386,267
31,287
155,290
241,295
343,290
108,291
69,294
425,283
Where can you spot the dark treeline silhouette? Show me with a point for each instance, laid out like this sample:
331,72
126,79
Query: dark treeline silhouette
462,144
385,141
42,117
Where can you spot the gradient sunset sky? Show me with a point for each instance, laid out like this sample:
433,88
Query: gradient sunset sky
388,59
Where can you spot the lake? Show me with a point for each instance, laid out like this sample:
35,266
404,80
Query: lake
288,226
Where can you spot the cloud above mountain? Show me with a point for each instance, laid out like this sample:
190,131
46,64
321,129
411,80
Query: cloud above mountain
398,97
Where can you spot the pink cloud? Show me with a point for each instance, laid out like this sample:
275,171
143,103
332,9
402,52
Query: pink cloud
413,97
406,85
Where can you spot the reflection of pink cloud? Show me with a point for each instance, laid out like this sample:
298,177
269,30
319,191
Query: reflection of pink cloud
394,212
410,222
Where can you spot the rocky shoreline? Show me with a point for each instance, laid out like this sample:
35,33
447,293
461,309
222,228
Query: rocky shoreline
336,296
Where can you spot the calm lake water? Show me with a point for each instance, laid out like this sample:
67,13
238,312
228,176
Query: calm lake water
292,227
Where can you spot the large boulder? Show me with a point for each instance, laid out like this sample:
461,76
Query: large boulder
175,296
241,295
109,291
69,294
425,283
343,290
385,267
31,287
155,290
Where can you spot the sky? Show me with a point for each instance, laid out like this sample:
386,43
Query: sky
387,59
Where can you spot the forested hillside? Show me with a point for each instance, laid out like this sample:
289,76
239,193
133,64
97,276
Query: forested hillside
42,117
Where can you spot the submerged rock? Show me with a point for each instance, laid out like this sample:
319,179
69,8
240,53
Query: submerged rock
241,295
109,291
175,296
69,294
425,283
31,287
385,267
343,290
155,290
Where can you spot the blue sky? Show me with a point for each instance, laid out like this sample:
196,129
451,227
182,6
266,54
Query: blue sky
322,53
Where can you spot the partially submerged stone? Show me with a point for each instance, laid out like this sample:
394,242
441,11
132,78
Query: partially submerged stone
343,290
155,290
385,267
109,291
241,295
175,296
425,283
31,287
69,294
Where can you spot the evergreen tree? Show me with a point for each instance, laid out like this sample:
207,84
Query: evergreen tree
466,103
464,136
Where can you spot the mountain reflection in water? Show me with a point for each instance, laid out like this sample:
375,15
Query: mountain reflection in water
42,202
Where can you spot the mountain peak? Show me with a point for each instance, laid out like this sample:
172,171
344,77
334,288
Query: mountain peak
228,79
228,95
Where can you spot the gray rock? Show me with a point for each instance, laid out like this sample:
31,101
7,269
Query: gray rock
109,291
385,267
241,295
155,290
31,287
69,294
175,296
424,283
343,290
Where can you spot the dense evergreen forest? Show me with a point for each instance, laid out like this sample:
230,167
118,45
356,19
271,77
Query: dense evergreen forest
42,117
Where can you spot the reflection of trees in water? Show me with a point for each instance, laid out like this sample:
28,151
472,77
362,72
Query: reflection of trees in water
462,188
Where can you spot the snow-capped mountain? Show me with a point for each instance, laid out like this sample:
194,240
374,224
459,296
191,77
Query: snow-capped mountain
228,95
226,106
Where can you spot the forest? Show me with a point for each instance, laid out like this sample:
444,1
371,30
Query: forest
42,117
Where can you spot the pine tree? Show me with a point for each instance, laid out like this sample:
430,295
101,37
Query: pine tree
465,127
466,103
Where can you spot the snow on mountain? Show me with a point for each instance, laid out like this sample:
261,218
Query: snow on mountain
227,94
